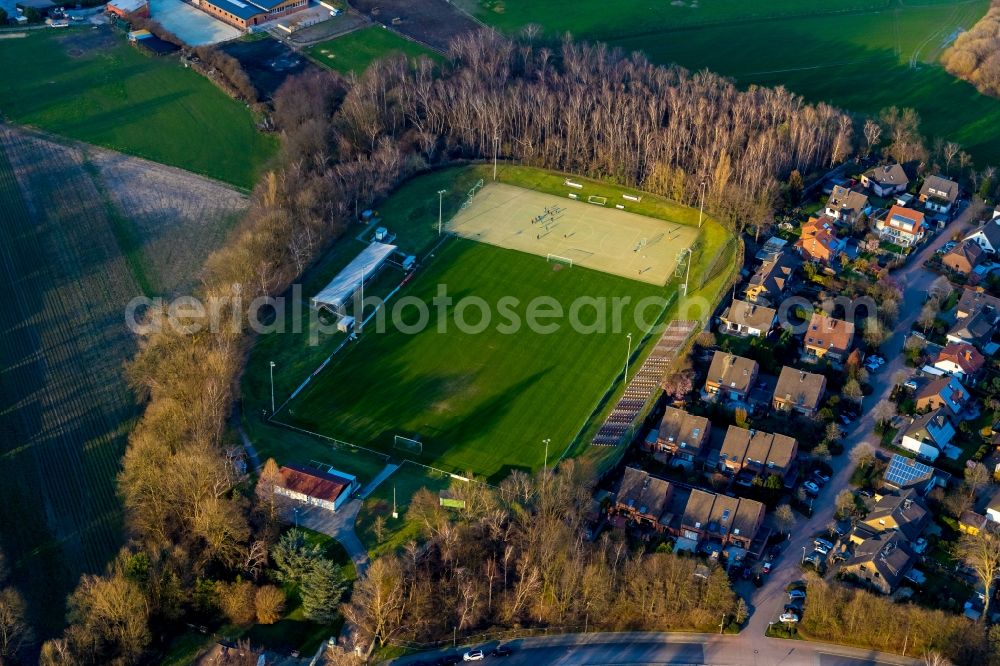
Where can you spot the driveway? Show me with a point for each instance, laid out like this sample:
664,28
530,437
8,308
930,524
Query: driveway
339,525
768,601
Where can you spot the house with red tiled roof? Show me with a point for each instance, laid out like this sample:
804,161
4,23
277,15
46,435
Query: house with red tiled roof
819,241
961,360
903,226
827,337
328,490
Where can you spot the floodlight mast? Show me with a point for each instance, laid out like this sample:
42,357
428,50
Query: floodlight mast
441,194
701,207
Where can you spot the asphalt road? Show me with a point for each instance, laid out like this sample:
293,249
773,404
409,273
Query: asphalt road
677,649
768,601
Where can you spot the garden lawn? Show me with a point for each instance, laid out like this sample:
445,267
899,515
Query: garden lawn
480,402
353,52
89,84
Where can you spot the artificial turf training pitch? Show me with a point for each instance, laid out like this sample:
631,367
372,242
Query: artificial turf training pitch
485,400
597,236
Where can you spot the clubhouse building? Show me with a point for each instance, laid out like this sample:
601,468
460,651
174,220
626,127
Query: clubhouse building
245,14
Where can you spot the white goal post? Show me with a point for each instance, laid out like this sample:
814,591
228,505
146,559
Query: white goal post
408,444
596,200
559,260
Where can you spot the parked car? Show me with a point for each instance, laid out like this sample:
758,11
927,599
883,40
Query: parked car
865,493
473,655
766,568
811,488
501,651
796,594
449,659
821,549
920,545
911,384
789,617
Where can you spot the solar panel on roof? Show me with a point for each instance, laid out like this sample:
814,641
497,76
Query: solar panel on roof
903,471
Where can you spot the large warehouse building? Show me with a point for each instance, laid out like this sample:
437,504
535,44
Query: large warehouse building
245,14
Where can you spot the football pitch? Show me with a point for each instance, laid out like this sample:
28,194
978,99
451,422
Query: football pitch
593,235
477,401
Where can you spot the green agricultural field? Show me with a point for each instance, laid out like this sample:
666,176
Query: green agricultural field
89,84
861,55
356,50
479,401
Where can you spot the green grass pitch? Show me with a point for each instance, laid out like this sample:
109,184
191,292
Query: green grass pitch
482,402
356,50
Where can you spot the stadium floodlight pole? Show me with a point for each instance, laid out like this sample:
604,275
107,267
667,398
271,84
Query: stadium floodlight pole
628,355
701,208
496,154
441,193
272,388
545,461
688,275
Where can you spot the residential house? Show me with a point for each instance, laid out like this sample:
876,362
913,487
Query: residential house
748,319
961,360
327,490
987,236
643,498
942,393
885,180
767,285
973,300
972,523
683,436
731,376
720,519
963,258
976,330
757,452
993,508
818,241
938,195
903,510
903,226
828,338
846,205
903,473
799,391
928,434
881,561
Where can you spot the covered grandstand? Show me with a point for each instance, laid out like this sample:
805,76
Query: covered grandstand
335,295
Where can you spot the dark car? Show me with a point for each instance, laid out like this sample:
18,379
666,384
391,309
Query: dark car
502,651
449,659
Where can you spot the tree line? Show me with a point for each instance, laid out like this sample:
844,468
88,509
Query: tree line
517,555
196,530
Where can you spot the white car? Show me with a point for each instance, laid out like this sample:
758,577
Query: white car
473,655
788,617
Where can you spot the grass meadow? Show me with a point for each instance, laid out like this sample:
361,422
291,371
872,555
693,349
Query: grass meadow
861,55
89,84
353,52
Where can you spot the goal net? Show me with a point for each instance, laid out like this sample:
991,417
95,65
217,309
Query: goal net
600,201
408,444
555,258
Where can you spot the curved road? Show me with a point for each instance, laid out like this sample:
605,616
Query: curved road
677,649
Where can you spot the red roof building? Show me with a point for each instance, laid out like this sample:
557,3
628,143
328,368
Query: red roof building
960,359
328,490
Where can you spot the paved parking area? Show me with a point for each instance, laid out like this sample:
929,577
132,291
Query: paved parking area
192,25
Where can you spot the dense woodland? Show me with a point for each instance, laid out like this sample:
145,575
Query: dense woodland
975,55
196,529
